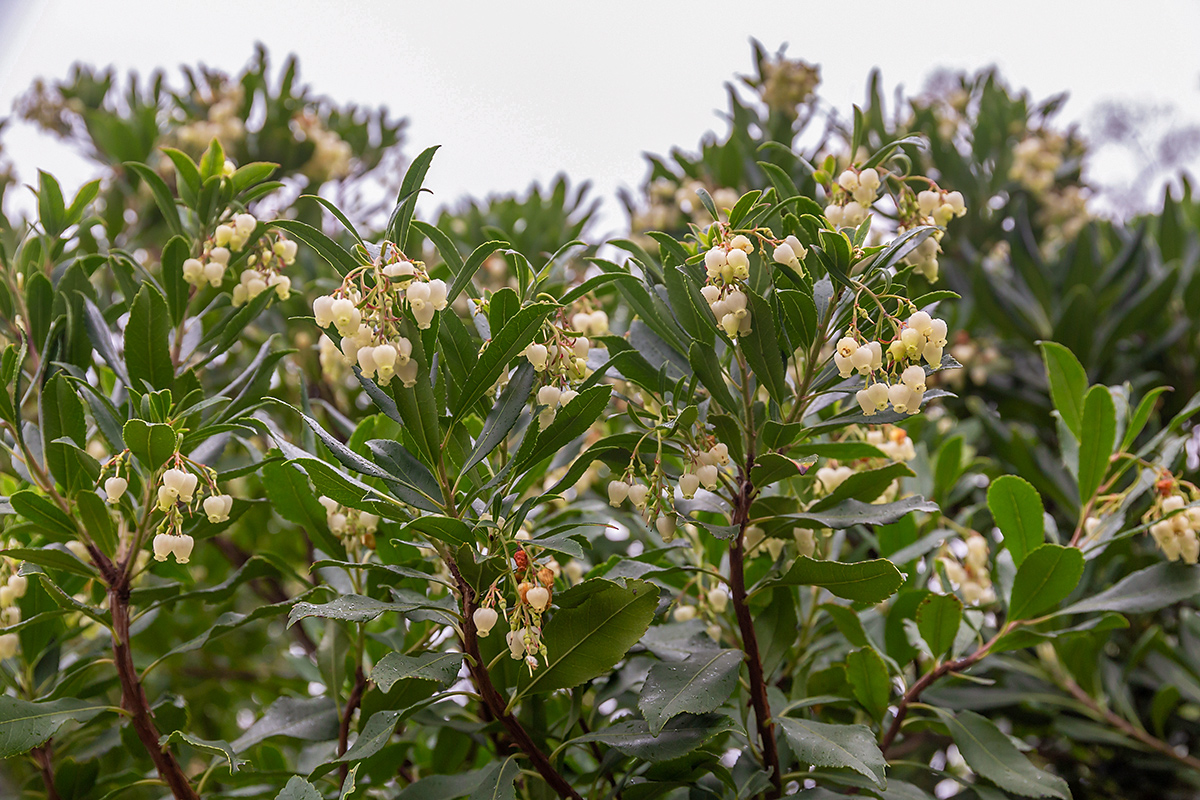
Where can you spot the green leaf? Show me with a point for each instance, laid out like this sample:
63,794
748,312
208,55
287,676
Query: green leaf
62,418
762,349
1017,511
355,608
326,248
406,203
861,581
516,335
993,755
497,781
679,737
1044,579
856,512
293,499
430,666
152,443
571,422
868,676
1146,590
93,513
218,747
298,789
35,508
698,684
1096,441
24,725
864,485
843,746
52,558
584,641
938,618
51,207
445,529
173,256
147,352
311,719
503,416
162,195
1068,382
705,365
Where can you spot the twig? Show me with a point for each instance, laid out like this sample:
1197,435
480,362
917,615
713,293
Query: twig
492,698
42,755
133,697
352,703
1123,725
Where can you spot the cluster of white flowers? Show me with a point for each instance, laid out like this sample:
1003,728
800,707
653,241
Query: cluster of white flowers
755,541
525,644
788,83
893,443
933,207
552,398
704,470
331,153
972,575
12,590
1036,160
1175,532
222,121
177,486
590,323
790,252
921,337
728,266
368,319
264,269
350,524
850,206
560,357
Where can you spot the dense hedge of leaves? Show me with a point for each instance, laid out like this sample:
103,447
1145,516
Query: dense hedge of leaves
851,469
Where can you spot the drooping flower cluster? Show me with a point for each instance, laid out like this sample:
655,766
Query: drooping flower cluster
263,267
1036,160
12,589
534,591
728,268
1175,532
920,337
858,192
704,470
559,355
368,311
972,576
179,490
932,206
787,83
350,525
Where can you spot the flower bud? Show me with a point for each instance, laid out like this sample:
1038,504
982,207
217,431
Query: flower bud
708,476
19,585
666,526
537,355
638,493
689,482
162,546
684,613
549,396
182,547
742,243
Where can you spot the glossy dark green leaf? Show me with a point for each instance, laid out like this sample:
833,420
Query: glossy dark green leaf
516,335
938,618
430,666
698,684
679,737
990,753
844,746
1017,511
1098,436
147,350
868,677
1068,382
1044,579
25,725
861,581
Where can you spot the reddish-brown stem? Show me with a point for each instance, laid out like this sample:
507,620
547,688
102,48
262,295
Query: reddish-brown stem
1127,728
492,698
352,703
737,588
914,692
42,755
133,698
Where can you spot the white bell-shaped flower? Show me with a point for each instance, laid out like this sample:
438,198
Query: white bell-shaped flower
114,489
217,507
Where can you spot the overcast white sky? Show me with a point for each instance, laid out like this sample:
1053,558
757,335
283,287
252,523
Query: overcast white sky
519,91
